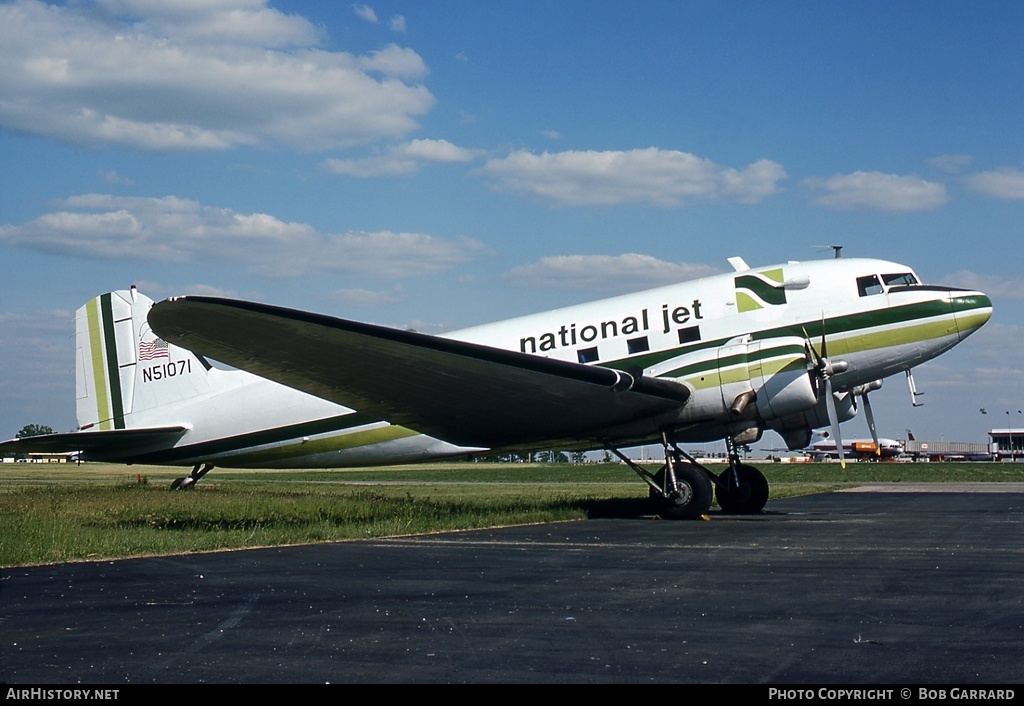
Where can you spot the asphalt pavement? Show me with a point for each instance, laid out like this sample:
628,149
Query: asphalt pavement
870,587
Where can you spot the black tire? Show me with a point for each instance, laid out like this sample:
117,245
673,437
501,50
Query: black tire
693,495
746,497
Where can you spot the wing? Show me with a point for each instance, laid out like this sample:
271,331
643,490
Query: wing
113,444
464,393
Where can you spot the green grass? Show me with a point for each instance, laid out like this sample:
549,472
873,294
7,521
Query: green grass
56,513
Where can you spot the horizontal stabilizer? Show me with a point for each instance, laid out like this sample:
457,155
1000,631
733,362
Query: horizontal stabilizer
97,445
464,393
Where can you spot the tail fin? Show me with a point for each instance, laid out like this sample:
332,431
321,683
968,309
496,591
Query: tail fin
123,369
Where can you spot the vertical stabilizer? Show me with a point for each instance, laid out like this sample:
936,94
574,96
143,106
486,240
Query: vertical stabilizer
124,370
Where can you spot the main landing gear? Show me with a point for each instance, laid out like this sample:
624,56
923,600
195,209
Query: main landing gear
682,489
741,489
186,483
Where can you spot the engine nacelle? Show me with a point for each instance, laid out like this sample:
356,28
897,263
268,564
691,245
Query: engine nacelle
779,377
748,386
745,383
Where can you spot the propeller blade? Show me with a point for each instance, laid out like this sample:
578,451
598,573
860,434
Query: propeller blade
871,424
820,357
833,418
823,369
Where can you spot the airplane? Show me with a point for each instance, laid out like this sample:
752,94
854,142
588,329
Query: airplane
203,381
865,449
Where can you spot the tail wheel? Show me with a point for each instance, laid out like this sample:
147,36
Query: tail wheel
185,483
742,490
189,481
691,497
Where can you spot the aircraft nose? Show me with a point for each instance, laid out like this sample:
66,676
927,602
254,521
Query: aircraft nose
971,310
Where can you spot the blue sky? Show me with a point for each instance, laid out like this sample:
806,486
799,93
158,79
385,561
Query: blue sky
448,163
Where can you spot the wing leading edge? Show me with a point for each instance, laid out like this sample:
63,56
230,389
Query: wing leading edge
464,393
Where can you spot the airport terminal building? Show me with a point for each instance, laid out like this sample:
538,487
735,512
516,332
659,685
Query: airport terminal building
1007,443
1003,445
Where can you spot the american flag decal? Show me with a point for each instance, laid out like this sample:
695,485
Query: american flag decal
148,350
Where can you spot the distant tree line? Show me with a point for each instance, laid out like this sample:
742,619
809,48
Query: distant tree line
33,430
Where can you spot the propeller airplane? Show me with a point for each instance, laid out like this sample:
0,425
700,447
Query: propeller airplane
203,382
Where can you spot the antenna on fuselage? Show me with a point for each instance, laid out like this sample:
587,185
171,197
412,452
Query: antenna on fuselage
838,249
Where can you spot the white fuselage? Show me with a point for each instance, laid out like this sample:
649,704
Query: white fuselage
748,333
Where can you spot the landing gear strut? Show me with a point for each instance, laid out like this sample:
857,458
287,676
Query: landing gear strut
681,489
742,489
186,483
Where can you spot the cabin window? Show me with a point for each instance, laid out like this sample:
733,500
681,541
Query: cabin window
638,345
689,334
869,285
587,355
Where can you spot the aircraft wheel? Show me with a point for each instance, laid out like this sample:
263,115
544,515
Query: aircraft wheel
692,497
185,483
746,497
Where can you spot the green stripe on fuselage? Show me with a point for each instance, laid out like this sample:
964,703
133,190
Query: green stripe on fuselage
289,438
313,447
850,323
712,377
855,327
715,371
971,322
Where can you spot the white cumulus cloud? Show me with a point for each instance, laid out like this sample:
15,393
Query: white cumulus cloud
176,230
366,298
234,21
665,178
397,24
405,158
605,273
197,76
876,191
997,287
950,163
365,12
1006,183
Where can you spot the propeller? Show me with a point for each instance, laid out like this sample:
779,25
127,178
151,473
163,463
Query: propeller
824,369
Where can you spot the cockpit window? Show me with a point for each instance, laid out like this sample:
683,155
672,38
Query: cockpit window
902,279
869,285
